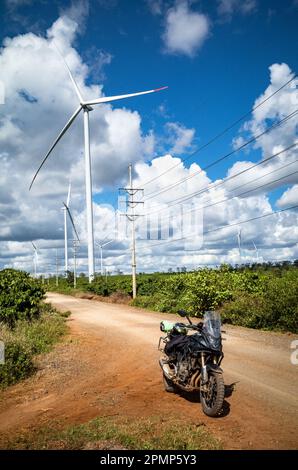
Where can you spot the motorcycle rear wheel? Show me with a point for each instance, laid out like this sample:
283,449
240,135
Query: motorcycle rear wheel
212,399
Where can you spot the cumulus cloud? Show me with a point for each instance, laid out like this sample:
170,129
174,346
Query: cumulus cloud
37,107
180,138
289,197
185,30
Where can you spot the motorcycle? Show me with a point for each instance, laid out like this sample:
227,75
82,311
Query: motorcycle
192,355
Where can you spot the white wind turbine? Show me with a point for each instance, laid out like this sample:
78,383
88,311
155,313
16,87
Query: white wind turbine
35,259
86,107
64,208
239,243
256,251
101,246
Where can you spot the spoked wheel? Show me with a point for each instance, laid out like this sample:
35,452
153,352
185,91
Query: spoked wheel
212,395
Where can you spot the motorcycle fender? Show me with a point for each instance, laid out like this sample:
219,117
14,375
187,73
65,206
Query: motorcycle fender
215,368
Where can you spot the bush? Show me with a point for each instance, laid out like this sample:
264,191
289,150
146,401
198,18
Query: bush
275,307
20,296
18,359
27,339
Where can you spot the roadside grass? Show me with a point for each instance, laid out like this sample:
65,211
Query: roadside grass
27,339
154,433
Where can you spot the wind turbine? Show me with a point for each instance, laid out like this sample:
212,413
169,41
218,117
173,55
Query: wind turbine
100,246
239,243
64,208
86,107
35,259
256,251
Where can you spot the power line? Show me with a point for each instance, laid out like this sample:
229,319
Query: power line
220,134
269,129
225,226
213,185
245,192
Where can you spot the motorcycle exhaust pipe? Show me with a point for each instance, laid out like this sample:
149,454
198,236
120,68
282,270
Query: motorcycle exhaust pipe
195,378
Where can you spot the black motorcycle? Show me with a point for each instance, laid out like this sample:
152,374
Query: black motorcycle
192,359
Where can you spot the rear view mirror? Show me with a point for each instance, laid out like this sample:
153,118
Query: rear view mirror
182,313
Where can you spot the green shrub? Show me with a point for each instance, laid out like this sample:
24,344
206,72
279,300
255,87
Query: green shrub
18,358
27,339
275,307
20,296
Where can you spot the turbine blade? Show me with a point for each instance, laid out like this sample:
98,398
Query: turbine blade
72,222
70,74
107,99
67,125
68,195
34,247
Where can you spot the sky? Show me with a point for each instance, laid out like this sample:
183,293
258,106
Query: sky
221,60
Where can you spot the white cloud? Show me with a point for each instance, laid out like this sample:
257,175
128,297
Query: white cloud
77,11
185,30
289,197
227,8
180,138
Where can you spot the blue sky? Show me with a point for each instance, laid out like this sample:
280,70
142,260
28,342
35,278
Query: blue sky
215,73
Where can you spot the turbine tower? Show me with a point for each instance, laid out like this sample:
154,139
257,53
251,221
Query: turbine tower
65,228
86,107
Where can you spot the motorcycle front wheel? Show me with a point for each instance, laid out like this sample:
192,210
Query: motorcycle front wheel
212,395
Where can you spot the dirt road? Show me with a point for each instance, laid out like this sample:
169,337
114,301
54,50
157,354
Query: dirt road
117,371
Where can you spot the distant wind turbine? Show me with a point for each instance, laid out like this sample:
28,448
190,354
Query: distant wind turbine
256,251
35,259
100,246
239,242
86,106
64,208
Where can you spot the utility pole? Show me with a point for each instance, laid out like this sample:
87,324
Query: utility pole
131,216
75,246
